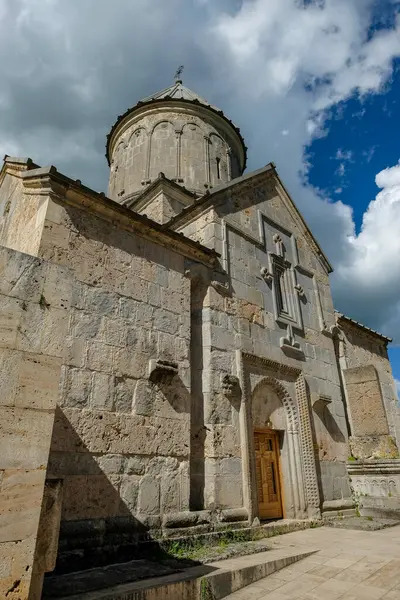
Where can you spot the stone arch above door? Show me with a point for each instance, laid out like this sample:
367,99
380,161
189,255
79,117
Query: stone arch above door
283,396
302,460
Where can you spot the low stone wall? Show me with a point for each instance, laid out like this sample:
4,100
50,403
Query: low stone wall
376,486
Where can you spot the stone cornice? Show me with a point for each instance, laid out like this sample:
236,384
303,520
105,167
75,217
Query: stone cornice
340,318
374,467
271,364
48,181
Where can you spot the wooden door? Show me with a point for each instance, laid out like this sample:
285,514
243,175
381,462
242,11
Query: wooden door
267,469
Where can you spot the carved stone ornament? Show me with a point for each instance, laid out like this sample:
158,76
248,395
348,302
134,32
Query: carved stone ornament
230,386
278,244
289,343
299,289
161,371
266,274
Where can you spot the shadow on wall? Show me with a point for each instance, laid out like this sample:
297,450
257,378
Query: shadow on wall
330,424
104,489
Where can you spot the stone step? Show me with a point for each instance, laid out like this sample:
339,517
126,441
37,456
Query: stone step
204,582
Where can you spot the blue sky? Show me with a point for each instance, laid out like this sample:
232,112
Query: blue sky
361,139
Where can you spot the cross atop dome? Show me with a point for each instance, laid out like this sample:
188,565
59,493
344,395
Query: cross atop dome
178,74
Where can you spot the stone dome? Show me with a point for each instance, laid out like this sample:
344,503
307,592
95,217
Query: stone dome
178,133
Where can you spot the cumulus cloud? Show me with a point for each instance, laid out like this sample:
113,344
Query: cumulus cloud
397,384
68,69
370,281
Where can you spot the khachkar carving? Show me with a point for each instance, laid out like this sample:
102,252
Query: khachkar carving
307,445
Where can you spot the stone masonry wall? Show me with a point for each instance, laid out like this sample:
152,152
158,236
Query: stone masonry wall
32,334
121,443
362,349
240,315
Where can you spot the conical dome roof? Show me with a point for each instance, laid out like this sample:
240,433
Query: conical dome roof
178,91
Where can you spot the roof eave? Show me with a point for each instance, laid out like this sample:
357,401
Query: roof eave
341,317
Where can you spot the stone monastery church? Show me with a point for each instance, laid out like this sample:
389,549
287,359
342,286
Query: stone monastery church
171,360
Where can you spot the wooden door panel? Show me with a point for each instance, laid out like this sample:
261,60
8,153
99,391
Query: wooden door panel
267,474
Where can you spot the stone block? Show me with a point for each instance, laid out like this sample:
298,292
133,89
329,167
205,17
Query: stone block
21,275
55,324
38,381
231,466
135,288
90,497
130,363
144,315
76,387
222,441
173,301
100,356
166,321
113,331
154,294
58,286
129,493
373,447
30,327
111,464
75,352
102,396
123,394
10,361
166,346
135,465
10,316
149,496
128,308
20,504
85,325
180,519
24,438
101,302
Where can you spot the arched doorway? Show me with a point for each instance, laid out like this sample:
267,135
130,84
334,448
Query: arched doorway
277,467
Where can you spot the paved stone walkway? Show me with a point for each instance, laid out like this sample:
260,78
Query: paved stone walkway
353,565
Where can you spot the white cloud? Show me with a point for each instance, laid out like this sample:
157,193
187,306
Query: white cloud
298,65
397,383
368,154
370,280
346,155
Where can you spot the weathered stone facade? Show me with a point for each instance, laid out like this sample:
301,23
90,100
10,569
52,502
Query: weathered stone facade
160,346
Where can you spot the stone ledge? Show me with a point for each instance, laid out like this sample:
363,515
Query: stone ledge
214,580
382,466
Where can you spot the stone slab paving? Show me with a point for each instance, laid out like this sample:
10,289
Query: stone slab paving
350,565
